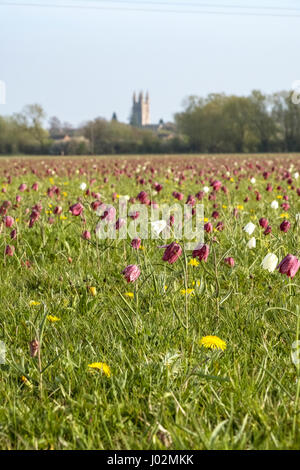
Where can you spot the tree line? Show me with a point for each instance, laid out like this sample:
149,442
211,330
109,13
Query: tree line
218,123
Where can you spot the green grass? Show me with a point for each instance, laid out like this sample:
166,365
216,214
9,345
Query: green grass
164,388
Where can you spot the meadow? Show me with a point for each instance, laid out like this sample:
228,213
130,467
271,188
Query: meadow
196,351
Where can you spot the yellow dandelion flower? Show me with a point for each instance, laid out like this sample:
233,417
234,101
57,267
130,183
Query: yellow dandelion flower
240,207
232,180
26,381
52,318
129,294
205,219
224,206
101,366
279,196
284,215
213,342
51,180
187,291
33,303
63,217
194,262
64,193
197,283
93,291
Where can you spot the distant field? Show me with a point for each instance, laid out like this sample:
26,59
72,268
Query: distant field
198,353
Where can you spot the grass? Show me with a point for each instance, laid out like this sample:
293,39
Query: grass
165,389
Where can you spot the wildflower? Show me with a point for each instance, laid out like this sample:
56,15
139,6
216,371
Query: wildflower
249,228
216,185
86,235
253,181
109,214
274,204
230,261
34,346
270,262
134,215
26,381
82,186
136,243
289,266
76,209
172,252
93,291
33,303
191,201
57,210
213,342
263,222
285,226
201,252
131,273
13,234
129,294
251,243
143,197
9,221
208,227
22,187
52,318
206,189
9,250
187,291
240,207
200,195
119,223
268,230
101,367
220,226
193,262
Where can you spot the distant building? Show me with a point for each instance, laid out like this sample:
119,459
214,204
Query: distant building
140,117
140,114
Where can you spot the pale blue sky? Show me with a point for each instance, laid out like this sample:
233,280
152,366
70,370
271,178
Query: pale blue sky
80,64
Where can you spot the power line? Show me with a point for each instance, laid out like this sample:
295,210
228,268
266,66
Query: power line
198,5
149,10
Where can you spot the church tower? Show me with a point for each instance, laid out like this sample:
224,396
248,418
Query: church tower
140,114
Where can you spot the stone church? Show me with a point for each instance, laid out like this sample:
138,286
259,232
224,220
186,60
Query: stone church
140,113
